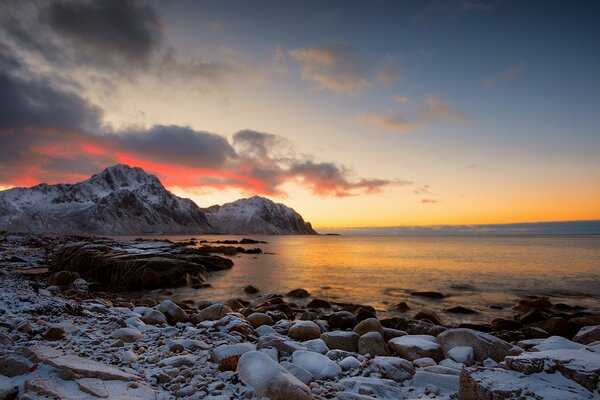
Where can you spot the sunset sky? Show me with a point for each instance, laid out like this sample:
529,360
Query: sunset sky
370,113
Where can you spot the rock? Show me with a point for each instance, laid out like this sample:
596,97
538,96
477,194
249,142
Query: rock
211,313
8,389
229,350
128,335
284,346
63,278
308,316
187,360
93,386
460,310
369,325
397,369
172,312
373,387
154,317
316,345
269,379
390,333
304,330
429,295
446,384
317,364
411,347
402,306
303,375
413,327
78,366
484,345
588,334
337,355
349,363
251,289
426,314
373,343
556,343
15,365
258,319
424,362
532,316
318,303
362,313
341,340
342,320
447,366
499,383
298,293
129,357
54,333
582,366
462,354
558,327
503,324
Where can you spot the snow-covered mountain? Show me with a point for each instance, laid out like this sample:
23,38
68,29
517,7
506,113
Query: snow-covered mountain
119,200
257,215
124,200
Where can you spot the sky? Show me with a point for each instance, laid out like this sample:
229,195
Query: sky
371,113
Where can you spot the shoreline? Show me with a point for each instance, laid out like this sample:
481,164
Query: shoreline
170,349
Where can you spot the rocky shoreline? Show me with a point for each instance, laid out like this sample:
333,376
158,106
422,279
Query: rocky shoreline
64,335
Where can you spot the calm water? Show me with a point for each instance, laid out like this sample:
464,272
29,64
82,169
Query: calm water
475,272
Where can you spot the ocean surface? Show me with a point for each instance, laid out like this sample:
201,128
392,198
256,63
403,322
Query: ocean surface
474,271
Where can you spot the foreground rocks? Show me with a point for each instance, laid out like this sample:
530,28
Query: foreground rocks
76,344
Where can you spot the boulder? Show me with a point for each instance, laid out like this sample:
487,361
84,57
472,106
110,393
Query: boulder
258,319
588,334
411,347
369,325
484,345
15,365
341,340
270,379
397,369
229,350
373,343
317,364
172,312
211,313
342,320
154,317
298,293
304,330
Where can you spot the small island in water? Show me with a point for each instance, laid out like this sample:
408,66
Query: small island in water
160,163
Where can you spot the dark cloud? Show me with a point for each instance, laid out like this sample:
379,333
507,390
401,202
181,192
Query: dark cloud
109,28
179,145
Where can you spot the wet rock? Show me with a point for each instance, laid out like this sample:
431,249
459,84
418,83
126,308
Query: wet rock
484,345
15,365
172,312
317,364
362,313
502,324
342,320
402,306
298,293
304,330
460,310
251,289
428,315
588,334
269,379
318,303
558,327
259,319
341,340
369,325
373,343
411,347
429,295
211,313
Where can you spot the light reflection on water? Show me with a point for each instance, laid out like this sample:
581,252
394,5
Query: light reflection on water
474,272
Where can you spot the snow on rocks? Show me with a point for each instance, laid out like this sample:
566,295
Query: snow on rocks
462,354
270,379
484,345
412,347
317,364
588,334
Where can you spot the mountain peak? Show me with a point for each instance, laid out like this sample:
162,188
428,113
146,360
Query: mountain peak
123,176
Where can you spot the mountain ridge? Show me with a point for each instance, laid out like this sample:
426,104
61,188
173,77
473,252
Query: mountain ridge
117,201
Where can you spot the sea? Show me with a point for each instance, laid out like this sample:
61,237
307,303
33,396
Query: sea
487,274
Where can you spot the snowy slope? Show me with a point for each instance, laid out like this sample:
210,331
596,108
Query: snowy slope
119,200
257,215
